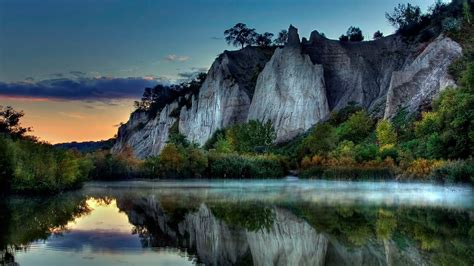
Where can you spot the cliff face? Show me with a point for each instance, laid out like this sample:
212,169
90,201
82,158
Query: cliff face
225,96
144,136
290,91
298,85
418,82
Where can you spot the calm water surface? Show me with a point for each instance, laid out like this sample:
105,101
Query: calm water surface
266,222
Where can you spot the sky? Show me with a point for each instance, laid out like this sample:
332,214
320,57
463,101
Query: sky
76,66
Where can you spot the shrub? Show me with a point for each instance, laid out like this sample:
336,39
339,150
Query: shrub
247,137
356,128
355,34
321,140
388,151
455,171
108,166
245,166
451,24
386,134
365,152
422,168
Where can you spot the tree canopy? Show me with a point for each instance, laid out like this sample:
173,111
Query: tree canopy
240,35
282,38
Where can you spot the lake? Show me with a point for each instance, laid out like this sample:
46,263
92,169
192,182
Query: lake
234,222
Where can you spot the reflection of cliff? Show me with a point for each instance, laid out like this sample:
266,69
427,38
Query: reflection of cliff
288,240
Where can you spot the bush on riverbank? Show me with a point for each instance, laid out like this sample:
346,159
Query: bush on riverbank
32,167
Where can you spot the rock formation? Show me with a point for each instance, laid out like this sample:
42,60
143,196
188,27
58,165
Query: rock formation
290,91
225,96
417,83
298,85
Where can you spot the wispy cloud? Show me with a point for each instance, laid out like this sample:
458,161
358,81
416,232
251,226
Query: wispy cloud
105,89
192,72
177,58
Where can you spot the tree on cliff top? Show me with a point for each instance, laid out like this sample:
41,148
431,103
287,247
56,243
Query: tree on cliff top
355,34
240,35
404,16
282,38
264,39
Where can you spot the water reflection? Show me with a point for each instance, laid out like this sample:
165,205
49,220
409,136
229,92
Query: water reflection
243,223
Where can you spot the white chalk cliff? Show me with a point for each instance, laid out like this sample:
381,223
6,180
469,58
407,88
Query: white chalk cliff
297,85
290,91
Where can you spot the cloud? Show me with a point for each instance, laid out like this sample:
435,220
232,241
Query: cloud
78,74
192,73
57,75
216,38
105,89
177,58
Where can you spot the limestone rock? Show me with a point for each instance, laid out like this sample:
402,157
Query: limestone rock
145,136
290,91
225,96
421,80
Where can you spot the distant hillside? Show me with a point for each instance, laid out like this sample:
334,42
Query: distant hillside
87,146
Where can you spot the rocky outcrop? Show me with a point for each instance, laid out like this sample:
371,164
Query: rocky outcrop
143,135
290,91
225,96
417,83
298,85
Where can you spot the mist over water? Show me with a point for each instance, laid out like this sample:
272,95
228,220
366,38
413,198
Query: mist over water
389,193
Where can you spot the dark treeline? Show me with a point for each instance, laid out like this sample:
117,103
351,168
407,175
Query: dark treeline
154,99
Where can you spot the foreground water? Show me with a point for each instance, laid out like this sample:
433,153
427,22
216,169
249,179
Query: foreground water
267,222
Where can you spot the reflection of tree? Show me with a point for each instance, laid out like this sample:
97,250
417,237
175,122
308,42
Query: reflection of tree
386,224
444,234
27,219
253,216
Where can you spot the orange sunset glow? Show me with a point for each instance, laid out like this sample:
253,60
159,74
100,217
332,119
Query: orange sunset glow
57,121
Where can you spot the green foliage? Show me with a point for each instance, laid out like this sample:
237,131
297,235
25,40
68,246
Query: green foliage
321,140
108,166
245,166
365,152
177,161
468,77
338,117
39,167
251,137
222,145
455,171
356,128
466,10
386,134
448,131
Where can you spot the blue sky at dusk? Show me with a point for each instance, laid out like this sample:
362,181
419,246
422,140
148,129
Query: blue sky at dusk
83,51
